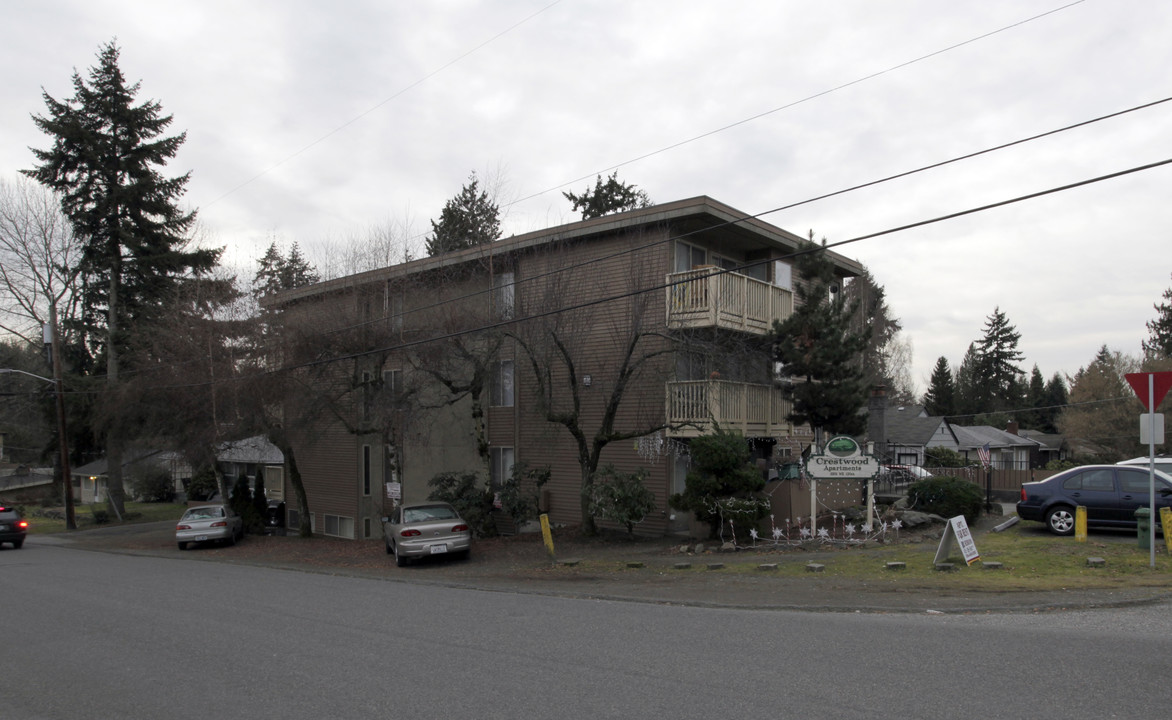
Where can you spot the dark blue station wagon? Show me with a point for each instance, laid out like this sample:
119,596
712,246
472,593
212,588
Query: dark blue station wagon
1110,493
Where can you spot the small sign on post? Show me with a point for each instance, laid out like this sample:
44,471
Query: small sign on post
958,530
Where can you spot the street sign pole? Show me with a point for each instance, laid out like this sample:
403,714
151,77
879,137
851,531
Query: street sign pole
1152,515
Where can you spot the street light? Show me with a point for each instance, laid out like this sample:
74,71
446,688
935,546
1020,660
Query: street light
70,523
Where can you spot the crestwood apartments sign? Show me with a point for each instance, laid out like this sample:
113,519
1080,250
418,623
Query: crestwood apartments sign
842,459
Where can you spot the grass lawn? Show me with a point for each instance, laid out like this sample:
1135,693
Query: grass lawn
84,515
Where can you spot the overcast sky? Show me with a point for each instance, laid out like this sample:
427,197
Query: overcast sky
314,122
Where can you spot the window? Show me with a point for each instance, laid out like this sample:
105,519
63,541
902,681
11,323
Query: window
293,518
783,275
338,526
502,466
689,256
274,482
366,471
367,396
1091,480
502,385
366,527
503,294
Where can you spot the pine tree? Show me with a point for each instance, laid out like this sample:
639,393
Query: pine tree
276,272
872,313
816,345
467,220
610,197
940,399
998,369
971,390
1159,343
105,163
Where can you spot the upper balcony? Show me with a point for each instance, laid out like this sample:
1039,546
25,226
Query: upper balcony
708,298
756,410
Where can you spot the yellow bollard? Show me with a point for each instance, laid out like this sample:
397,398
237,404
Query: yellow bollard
1166,526
547,535
1080,523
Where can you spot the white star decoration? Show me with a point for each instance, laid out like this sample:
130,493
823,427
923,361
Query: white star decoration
805,532
823,534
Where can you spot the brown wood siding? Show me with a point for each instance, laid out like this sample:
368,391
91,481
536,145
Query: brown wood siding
596,335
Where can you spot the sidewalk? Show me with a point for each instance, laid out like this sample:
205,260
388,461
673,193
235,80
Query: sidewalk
641,571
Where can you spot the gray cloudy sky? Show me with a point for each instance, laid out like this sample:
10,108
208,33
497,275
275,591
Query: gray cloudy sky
314,121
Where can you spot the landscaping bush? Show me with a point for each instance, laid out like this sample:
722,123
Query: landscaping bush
466,492
947,497
939,457
202,486
241,503
153,485
518,496
621,497
721,473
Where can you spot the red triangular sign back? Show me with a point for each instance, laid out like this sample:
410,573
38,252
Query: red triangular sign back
1139,382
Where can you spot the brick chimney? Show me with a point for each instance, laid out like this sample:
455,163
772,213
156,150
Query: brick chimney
1011,427
877,420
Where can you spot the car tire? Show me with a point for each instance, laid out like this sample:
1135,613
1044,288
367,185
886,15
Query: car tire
182,546
231,539
17,543
399,559
387,545
1060,520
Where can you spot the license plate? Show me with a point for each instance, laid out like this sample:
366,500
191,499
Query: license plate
201,538
3,528
436,549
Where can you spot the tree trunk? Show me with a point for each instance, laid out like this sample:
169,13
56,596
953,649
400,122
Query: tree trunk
114,488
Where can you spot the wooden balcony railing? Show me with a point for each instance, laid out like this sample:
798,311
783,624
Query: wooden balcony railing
755,410
707,297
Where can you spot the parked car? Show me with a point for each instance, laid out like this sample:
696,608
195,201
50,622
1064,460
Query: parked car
13,527
209,523
425,529
1110,493
901,474
1163,463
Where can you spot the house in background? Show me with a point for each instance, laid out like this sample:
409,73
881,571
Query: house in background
901,435
451,363
252,458
89,480
1007,450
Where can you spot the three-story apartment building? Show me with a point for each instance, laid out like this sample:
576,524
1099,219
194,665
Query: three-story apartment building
611,341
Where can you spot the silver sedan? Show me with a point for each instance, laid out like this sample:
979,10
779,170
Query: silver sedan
424,529
207,523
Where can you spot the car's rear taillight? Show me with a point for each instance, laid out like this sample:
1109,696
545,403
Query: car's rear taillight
23,524
460,528
182,527
410,533
221,523
1023,497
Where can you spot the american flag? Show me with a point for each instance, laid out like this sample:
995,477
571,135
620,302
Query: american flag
983,453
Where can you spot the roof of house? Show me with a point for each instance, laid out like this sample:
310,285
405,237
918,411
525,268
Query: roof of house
256,449
910,425
695,216
1050,441
972,437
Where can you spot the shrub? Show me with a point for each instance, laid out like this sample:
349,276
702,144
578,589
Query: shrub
944,457
721,471
153,485
101,516
466,492
947,497
621,497
202,486
520,494
241,503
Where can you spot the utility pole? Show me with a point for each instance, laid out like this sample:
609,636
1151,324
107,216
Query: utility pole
66,479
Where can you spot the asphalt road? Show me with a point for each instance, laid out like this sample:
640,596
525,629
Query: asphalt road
99,635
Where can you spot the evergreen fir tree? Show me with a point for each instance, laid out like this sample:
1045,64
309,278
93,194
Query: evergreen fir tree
467,220
940,399
105,163
610,197
817,346
998,369
1159,342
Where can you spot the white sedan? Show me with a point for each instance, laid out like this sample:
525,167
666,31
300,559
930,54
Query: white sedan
208,523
